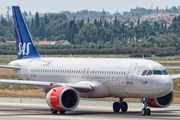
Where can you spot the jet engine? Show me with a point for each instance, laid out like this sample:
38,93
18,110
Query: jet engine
62,98
161,102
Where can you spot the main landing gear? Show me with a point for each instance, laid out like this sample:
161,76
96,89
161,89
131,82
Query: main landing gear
145,110
56,111
120,105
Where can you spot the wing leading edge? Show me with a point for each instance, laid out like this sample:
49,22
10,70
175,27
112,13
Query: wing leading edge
175,77
78,86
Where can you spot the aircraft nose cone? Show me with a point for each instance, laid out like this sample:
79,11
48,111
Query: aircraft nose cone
165,85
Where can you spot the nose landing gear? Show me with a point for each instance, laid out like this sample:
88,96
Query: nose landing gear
120,105
145,110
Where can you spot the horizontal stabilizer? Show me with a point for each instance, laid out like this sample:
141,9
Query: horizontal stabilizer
10,67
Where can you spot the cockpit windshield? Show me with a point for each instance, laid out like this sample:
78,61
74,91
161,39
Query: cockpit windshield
157,72
165,72
154,72
144,72
149,72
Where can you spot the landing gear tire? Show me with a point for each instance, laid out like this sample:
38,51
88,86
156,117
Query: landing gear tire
120,105
148,111
116,106
143,112
53,111
62,112
124,107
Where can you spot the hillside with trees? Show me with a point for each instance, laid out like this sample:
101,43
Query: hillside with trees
107,35
136,12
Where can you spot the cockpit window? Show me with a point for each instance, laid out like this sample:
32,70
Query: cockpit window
157,72
165,72
144,72
149,72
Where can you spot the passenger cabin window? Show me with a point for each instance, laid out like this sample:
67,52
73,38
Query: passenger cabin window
149,72
144,72
165,72
157,72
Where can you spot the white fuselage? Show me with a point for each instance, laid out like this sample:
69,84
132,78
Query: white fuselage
109,77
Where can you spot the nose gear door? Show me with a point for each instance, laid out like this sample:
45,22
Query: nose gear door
130,73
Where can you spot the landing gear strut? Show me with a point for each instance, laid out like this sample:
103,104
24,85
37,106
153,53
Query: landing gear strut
145,110
120,105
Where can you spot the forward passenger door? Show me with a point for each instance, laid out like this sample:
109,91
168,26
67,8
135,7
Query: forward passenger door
130,73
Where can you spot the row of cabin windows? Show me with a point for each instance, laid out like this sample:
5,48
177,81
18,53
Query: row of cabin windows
78,71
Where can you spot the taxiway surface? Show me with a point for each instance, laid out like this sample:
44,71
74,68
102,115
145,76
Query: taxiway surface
38,109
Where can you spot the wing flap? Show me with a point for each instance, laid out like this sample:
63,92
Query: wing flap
78,86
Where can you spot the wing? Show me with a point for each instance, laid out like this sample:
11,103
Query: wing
78,86
175,77
10,67
172,66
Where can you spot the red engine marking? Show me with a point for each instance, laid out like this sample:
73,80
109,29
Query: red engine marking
152,103
54,97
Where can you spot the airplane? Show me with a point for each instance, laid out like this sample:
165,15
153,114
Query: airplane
65,80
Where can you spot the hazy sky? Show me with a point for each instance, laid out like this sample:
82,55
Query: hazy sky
112,6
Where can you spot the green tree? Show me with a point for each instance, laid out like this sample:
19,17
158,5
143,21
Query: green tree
37,22
46,20
88,20
55,17
152,40
157,10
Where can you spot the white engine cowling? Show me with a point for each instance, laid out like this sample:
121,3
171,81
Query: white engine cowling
161,102
62,98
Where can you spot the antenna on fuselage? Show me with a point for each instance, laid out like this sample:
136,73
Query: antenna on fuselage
143,56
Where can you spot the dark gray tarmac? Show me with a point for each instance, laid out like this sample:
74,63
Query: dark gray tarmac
39,110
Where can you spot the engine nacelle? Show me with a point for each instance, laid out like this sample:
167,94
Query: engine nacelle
162,102
62,98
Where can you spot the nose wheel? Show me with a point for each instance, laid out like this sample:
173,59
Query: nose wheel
120,105
145,110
